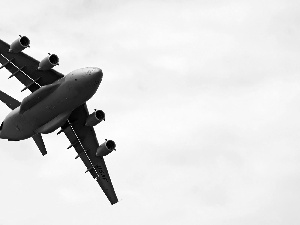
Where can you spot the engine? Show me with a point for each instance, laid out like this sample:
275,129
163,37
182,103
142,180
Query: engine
95,118
105,148
49,62
19,45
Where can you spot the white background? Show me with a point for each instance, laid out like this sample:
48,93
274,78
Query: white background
201,97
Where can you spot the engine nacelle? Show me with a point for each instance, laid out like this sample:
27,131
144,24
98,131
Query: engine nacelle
95,118
49,62
19,45
105,148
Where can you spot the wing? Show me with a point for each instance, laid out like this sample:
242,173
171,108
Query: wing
24,68
84,140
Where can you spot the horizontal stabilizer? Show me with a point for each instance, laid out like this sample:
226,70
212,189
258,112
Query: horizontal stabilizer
40,143
9,101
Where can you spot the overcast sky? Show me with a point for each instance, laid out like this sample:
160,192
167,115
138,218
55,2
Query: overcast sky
201,97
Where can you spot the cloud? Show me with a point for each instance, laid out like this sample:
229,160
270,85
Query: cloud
201,98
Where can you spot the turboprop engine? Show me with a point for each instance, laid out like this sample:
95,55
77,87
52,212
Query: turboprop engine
19,45
49,62
106,147
95,118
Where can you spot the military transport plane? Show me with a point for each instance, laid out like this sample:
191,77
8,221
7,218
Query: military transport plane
56,101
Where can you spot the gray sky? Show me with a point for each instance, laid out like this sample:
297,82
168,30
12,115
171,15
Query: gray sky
201,97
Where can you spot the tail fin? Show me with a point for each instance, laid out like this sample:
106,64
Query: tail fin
40,143
9,101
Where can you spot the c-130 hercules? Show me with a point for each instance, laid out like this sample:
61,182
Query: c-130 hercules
56,101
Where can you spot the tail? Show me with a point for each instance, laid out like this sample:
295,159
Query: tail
12,104
9,101
40,143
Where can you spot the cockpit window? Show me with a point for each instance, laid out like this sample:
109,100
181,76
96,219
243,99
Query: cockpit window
1,126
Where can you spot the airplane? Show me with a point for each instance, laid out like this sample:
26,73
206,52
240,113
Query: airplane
56,101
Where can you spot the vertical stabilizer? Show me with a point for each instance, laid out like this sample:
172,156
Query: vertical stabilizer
40,143
9,101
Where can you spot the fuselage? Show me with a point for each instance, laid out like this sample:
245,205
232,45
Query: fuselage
67,94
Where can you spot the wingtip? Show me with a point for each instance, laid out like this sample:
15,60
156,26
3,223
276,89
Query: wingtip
113,201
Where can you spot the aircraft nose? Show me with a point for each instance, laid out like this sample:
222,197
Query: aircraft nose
97,72
96,75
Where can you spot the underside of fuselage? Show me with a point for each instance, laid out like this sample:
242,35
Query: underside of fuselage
48,108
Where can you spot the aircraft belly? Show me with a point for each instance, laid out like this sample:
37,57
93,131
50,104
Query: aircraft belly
53,110
55,123
46,115
37,96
